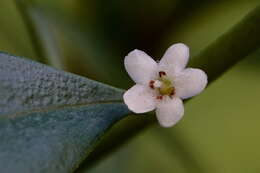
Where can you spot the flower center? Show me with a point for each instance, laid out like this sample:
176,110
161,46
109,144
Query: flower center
163,85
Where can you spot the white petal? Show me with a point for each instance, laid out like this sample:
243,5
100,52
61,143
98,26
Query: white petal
190,82
175,59
140,99
169,111
140,67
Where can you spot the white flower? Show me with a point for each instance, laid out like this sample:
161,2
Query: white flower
163,85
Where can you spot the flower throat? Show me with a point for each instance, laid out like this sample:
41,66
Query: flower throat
163,85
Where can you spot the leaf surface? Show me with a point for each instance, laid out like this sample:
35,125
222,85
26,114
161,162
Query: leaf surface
50,120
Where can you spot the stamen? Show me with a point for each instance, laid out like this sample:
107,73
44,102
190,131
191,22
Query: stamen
159,97
162,73
151,84
172,92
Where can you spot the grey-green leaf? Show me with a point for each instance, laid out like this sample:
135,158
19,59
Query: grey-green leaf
50,120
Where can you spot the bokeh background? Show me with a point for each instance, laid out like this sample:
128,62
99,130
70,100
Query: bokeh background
220,130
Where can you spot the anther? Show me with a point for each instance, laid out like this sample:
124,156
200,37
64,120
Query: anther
151,84
159,97
172,92
162,73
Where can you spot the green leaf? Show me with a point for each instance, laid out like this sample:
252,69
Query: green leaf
50,120
13,32
41,33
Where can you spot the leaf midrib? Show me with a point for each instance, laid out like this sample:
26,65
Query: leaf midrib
59,107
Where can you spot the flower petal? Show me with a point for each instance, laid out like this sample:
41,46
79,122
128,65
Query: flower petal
175,58
140,67
190,82
169,111
140,99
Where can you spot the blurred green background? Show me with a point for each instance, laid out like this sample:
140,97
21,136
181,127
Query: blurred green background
220,129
